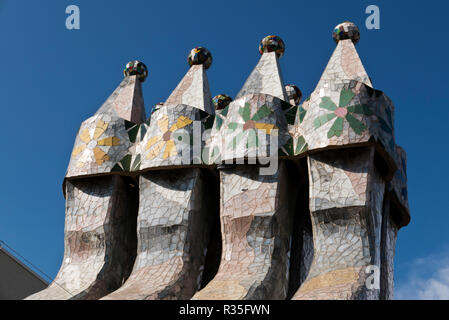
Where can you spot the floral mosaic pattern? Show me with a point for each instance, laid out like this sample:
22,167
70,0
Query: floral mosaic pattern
165,142
342,113
297,144
131,162
250,126
92,143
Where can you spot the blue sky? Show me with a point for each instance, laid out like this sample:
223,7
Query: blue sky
53,79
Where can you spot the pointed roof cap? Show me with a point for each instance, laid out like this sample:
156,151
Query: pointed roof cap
345,63
266,77
194,89
127,100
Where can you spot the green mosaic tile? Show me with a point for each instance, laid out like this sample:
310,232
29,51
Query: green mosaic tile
262,112
302,113
218,122
126,162
336,129
253,139
234,125
287,148
245,112
328,104
318,122
136,164
301,145
132,133
361,109
346,96
290,115
224,112
236,140
355,124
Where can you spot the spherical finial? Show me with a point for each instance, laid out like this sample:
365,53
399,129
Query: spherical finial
293,93
200,55
346,30
221,101
272,43
136,68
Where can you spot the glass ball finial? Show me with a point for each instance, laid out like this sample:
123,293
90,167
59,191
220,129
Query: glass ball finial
136,68
200,55
221,101
272,43
346,30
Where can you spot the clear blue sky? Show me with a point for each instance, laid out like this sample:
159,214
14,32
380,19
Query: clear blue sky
53,79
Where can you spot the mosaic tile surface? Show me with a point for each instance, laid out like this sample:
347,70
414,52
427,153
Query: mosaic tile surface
174,135
343,109
388,248
99,241
344,65
255,226
173,224
169,137
353,114
193,90
346,203
252,123
108,136
174,218
309,231
265,78
126,101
